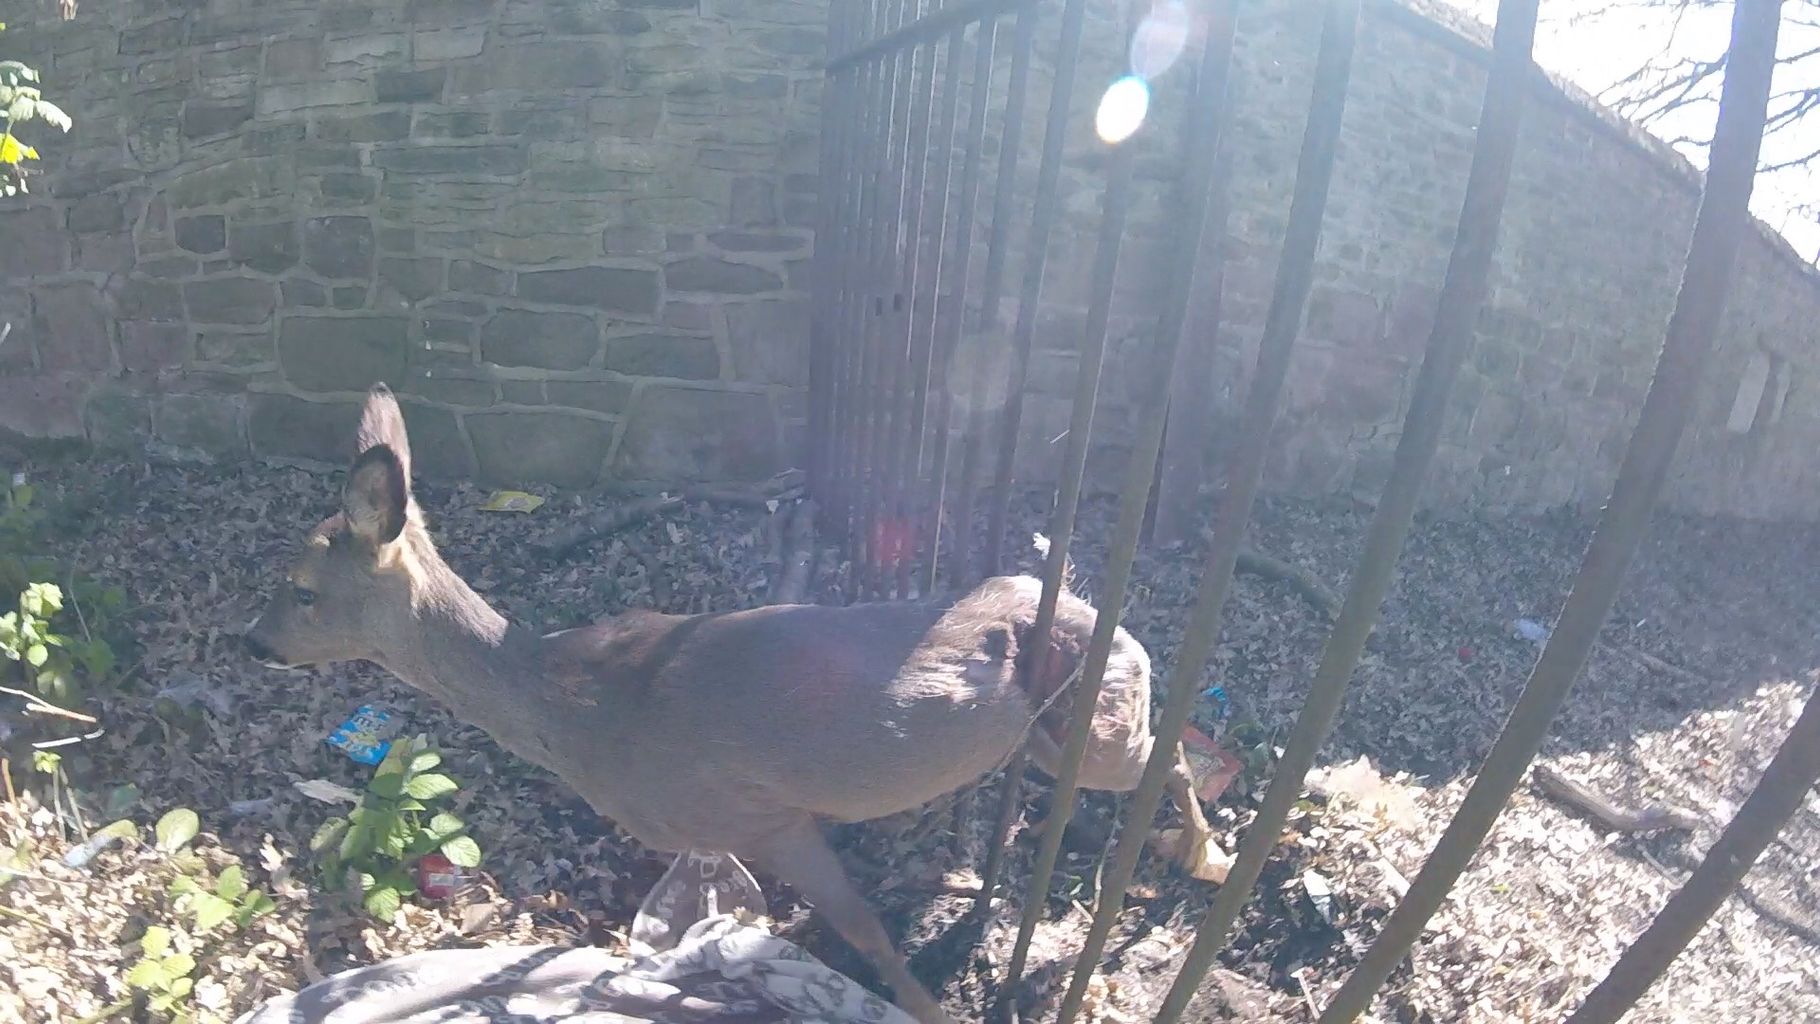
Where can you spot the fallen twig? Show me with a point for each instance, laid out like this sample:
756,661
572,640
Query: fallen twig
1578,796
44,707
1255,563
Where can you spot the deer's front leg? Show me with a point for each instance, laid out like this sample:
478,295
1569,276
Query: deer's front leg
799,856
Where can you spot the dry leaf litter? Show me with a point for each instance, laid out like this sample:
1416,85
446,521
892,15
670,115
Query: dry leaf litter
1698,676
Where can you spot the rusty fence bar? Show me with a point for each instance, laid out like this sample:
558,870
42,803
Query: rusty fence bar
829,235
1295,274
991,294
1036,260
1462,295
1779,793
897,324
948,332
1202,140
881,304
1719,229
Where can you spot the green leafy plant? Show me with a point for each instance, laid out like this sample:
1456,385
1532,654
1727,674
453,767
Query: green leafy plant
53,661
397,823
162,975
21,101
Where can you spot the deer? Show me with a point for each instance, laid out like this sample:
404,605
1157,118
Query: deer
736,731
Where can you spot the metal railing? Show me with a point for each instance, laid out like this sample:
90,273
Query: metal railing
891,313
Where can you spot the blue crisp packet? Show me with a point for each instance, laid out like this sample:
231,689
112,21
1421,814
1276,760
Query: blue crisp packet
364,737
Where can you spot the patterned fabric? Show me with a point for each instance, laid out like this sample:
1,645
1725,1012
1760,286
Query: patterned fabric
719,972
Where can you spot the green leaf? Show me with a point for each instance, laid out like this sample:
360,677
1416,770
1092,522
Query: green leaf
388,785
36,655
430,787
424,761
184,885
123,828
155,941
357,843
145,975
181,987
383,902
160,1003
462,852
210,910
177,828
232,883
177,965
329,834
257,904
445,825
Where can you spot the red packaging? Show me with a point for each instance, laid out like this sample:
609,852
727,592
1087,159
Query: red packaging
1214,767
437,878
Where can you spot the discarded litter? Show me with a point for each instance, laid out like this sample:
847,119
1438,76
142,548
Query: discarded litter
1531,630
1320,893
326,791
1213,766
511,501
245,808
366,735
80,854
437,876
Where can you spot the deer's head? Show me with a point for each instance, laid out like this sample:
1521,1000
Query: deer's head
352,594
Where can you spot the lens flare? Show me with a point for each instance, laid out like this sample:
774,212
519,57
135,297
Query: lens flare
1122,109
1160,38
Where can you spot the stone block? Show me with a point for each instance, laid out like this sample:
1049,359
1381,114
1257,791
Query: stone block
204,422
107,253
590,18
419,85
206,233
72,327
614,289
145,298
451,124
565,450
104,212
351,189
487,160
293,58
342,353
758,241
664,355
42,404
720,277
540,67
299,428
521,392
468,276
235,349
437,45
148,346
632,240
298,292
384,126
268,248
677,434
413,279
439,451
753,203
349,296
204,118
451,390
770,340
116,417
608,396
276,99
367,49
338,246
551,341
35,243
248,178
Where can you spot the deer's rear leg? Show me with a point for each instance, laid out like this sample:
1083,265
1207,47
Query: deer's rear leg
800,857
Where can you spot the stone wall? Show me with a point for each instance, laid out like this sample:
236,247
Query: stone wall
572,234
577,232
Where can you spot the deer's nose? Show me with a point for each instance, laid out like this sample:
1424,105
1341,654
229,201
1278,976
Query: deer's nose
257,648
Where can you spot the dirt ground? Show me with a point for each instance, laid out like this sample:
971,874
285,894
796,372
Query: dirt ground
1712,649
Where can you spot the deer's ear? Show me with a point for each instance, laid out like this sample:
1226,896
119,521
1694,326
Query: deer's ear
382,422
377,495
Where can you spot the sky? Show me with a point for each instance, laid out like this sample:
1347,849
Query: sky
1597,43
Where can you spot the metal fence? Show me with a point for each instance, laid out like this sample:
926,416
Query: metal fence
904,185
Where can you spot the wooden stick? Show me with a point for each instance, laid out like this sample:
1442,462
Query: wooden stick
1579,797
43,706
798,557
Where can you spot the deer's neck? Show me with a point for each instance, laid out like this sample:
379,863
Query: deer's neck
488,671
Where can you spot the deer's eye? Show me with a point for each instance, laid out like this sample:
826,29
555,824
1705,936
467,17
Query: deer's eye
303,596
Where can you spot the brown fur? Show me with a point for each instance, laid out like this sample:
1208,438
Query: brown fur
736,731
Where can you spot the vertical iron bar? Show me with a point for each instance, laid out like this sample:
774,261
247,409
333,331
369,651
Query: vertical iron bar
1779,793
1462,296
1086,690
829,231
1720,228
1203,140
1295,276
866,77
1036,259
985,43
885,340
914,497
866,332
992,287
903,333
